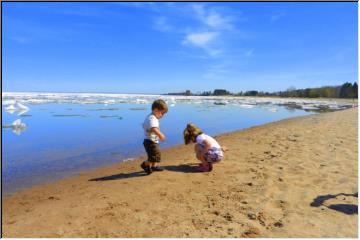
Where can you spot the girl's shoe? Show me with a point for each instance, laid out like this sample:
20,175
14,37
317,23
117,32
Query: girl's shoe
203,168
210,167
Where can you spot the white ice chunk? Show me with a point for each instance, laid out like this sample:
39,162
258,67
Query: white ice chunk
17,107
10,109
141,101
21,106
22,111
220,103
309,107
272,109
18,123
18,127
8,102
246,106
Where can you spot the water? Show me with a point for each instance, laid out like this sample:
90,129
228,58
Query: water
64,137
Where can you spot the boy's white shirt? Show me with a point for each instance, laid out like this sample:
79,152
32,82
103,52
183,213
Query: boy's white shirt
150,122
202,137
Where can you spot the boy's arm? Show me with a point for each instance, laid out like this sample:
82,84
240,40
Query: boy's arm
158,133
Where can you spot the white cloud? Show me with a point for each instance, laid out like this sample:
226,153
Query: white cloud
162,24
212,18
216,72
200,39
204,40
19,39
249,53
207,27
152,6
277,16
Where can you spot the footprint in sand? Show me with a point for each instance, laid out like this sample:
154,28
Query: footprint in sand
53,198
262,218
228,217
251,232
278,224
251,216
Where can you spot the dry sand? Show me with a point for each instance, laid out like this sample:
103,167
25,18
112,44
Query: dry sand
292,178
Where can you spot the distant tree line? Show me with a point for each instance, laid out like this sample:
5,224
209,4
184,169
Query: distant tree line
347,90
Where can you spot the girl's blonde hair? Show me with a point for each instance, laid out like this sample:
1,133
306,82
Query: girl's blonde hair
191,132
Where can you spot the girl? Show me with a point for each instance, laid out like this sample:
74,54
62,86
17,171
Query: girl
207,149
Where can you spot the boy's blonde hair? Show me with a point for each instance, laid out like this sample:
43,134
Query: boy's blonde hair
160,105
191,132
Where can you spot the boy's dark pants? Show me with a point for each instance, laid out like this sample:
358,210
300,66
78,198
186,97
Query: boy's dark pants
153,150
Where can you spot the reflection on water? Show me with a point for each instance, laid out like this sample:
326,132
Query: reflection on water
17,126
63,135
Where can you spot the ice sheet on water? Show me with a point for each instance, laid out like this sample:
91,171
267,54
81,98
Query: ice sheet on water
101,98
138,109
69,115
103,109
111,116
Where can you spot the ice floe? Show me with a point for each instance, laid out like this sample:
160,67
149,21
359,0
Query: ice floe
246,106
11,109
14,106
17,126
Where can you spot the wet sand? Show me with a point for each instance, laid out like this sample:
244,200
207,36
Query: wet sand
292,178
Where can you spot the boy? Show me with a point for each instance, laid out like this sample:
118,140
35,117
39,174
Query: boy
152,132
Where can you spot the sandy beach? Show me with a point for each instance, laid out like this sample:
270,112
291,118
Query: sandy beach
293,178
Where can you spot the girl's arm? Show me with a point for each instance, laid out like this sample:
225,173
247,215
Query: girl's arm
207,145
158,133
224,149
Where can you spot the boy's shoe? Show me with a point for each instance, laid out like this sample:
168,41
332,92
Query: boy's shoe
147,169
157,169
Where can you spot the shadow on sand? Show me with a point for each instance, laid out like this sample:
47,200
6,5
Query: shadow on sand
344,208
120,176
185,168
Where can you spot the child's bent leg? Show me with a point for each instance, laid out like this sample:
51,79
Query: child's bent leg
146,167
199,153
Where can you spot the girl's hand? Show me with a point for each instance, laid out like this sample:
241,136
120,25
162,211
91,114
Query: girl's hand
224,149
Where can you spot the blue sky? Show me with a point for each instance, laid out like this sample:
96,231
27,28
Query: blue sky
130,47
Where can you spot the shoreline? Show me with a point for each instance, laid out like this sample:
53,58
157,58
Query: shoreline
133,159
72,173
281,179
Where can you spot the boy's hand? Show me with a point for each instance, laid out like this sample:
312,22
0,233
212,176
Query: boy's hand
158,133
162,137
